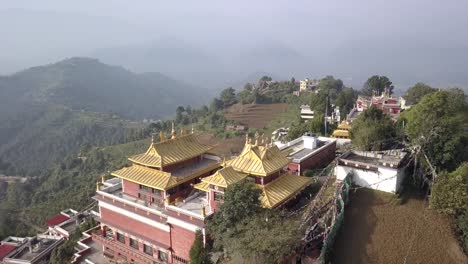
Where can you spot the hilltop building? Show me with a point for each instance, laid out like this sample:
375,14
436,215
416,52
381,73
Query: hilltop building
28,250
308,85
306,112
308,152
379,170
262,164
385,102
150,212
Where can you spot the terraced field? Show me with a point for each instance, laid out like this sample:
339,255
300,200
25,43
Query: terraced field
255,115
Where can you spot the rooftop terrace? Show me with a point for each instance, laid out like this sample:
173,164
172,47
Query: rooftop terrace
303,147
391,158
36,248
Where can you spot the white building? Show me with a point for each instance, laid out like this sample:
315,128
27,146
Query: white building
308,85
306,112
379,170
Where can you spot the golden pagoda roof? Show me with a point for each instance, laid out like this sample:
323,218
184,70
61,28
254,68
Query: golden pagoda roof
340,133
150,177
171,151
344,126
260,160
224,177
280,190
202,186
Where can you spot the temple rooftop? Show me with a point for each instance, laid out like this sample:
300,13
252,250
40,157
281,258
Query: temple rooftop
171,151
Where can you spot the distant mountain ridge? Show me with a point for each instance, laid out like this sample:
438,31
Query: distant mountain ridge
87,84
50,112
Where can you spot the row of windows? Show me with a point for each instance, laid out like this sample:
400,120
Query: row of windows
151,190
146,248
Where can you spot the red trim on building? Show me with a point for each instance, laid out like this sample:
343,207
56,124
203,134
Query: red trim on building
57,219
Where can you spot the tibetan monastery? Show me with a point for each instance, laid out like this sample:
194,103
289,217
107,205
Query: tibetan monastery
149,212
260,163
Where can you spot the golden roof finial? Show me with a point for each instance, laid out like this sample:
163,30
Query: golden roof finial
162,137
152,138
256,138
173,132
262,142
98,185
247,139
193,129
224,161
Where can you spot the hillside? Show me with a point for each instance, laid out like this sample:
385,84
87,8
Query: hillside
60,108
254,115
88,84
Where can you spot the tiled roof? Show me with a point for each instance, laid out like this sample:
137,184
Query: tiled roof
282,189
6,249
150,177
344,126
340,133
202,186
224,177
260,160
171,151
57,219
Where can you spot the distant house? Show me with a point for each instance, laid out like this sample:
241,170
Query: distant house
379,170
28,250
308,85
308,152
236,127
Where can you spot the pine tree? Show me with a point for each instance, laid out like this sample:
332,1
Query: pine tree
198,253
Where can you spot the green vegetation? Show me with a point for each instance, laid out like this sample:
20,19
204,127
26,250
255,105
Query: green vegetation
450,192
417,92
248,233
373,130
437,123
462,226
377,84
198,253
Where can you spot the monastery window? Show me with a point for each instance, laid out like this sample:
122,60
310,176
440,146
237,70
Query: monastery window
162,256
120,238
133,243
145,188
148,249
157,192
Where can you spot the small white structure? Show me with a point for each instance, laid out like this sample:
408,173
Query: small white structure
306,112
382,170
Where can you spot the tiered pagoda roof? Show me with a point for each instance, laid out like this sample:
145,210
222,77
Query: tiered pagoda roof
259,159
171,151
281,189
224,177
150,177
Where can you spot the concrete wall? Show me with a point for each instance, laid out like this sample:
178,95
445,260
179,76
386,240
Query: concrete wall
385,179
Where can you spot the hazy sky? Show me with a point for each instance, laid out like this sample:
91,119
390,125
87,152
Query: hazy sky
322,31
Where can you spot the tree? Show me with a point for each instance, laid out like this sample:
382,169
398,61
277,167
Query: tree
346,100
373,130
241,200
462,226
377,84
266,79
198,252
417,92
437,124
449,194
63,253
228,97
330,86
216,105
179,113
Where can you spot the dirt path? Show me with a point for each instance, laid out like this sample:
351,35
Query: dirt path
379,230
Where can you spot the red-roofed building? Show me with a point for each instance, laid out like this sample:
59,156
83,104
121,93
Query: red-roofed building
57,219
6,249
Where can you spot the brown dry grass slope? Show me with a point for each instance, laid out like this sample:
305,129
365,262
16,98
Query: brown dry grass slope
377,229
255,115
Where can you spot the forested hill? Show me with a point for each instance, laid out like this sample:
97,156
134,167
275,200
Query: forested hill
88,84
50,112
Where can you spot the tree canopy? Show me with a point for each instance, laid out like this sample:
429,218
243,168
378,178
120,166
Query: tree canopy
198,252
450,191
373,130
437,123
377,84
417,92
